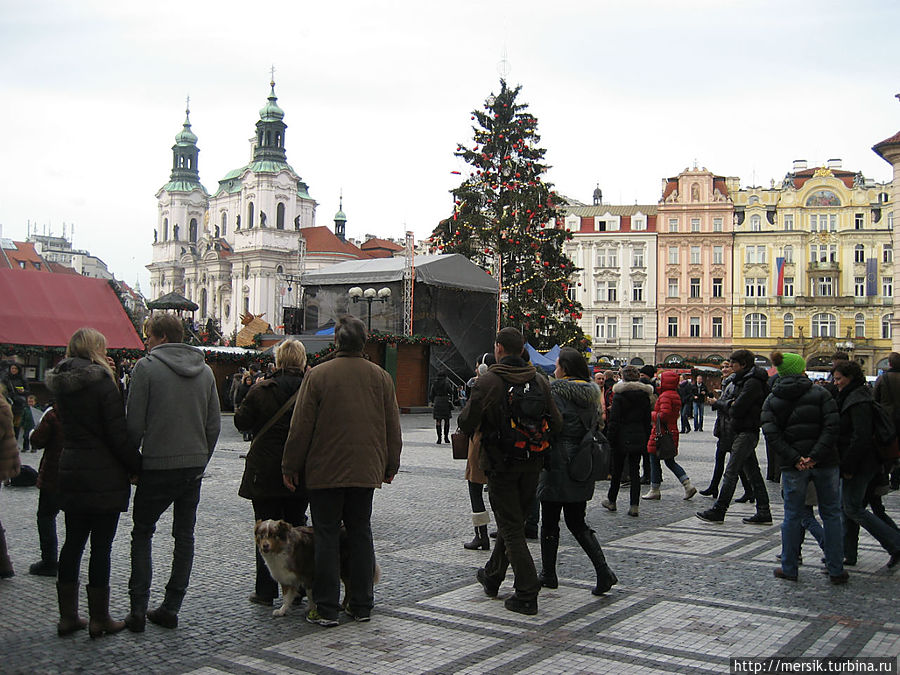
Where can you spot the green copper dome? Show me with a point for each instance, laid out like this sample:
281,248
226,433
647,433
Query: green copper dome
186,136
271,112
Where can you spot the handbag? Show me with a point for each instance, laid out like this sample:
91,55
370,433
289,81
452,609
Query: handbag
460,444
591,460
665,444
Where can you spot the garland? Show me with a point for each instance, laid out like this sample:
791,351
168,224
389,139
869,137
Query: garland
39,350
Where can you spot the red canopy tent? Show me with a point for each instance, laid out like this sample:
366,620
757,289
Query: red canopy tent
43,309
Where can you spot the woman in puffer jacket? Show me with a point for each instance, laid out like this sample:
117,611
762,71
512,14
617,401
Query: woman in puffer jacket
578,400
667,411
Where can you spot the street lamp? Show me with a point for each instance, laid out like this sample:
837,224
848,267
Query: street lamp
370,295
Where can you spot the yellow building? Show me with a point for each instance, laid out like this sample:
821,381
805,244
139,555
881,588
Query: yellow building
813,267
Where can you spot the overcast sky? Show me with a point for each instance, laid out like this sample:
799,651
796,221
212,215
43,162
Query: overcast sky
377,94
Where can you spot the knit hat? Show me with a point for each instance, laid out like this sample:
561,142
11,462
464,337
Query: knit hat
630,374
788,363
648,370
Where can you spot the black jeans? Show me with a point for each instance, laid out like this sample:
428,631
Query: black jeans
476,497
101,528
723,447
511,495
573,513
328,508
743,456
156,492
619,461
292,510
47,510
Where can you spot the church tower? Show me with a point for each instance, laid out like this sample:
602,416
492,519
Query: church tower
270,131
340,221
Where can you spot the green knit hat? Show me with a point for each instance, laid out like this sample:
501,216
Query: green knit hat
791,364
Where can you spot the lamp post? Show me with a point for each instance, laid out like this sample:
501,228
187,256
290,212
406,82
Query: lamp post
370,295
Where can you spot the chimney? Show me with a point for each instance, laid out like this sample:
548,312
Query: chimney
834,164
799,165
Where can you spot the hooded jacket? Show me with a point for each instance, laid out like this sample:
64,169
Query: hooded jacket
667,408
801,420
576,400
173,408
628,426
484,410
97,459
750,390
856,443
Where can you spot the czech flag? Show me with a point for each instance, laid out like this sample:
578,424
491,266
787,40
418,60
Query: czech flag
779,277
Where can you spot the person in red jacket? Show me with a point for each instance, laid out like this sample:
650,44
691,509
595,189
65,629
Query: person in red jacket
667,410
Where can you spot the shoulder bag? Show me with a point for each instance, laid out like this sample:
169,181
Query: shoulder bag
665,444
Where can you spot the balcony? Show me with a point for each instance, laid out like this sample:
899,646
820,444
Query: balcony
827,266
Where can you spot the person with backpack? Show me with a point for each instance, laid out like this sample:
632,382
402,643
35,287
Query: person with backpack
578,400
859,456
512,407
801,423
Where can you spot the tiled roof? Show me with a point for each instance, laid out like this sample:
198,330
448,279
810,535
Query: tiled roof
375,242
321,240
603,209
23,256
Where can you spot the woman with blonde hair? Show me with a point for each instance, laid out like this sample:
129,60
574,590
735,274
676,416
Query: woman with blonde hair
264,413
95,468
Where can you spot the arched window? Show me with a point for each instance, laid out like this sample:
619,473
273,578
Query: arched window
279,217
279,269
859,322
824,325
755,223
203,302
788,325
250,215
886,332
788,254
224,230
192,230
165,229
859,253
246,305
246,271
756,325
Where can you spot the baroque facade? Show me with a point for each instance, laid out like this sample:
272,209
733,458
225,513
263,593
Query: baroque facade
242,248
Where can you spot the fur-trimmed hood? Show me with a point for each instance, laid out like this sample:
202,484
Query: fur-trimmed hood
74,374
621,387
580,393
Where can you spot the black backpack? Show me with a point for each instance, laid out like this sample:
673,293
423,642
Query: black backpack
524,427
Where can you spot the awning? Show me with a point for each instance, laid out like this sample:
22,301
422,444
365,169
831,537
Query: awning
45,309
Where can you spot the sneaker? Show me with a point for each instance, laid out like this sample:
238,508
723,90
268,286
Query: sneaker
608,505
491,587
759,519
779,574
516,604
313,616
359,617
839,579
259,600
163,617
711,516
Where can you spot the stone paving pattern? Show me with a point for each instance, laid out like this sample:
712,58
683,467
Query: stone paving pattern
690,594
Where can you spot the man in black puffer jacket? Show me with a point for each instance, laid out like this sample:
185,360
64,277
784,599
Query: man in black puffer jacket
750,390
801,424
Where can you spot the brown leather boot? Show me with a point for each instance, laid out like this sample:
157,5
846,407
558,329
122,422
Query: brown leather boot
69,621
98,607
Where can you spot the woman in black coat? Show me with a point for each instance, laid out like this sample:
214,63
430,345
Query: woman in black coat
628,431
262,483
578,400
441,395
95,469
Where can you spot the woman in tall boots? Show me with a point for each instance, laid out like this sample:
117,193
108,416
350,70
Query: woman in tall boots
475,478
95,468
578,400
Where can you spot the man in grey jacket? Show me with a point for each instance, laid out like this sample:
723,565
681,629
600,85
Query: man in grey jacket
173,414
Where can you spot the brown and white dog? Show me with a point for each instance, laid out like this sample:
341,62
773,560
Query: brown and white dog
289,553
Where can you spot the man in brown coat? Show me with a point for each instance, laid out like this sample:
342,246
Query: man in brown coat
344,442
512,481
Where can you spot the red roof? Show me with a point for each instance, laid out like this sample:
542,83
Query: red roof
321,239
893,140
375,242
45,309
24,257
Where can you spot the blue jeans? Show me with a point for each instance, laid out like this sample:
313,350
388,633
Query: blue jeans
686,416
353,506
156,492
794,485
854,496
656,470
698,415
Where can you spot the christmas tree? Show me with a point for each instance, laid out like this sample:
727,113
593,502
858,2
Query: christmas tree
504,221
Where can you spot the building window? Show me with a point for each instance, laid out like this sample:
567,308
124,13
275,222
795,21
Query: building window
789,287
600,225
788,325
717,327
886,332
192,231
165,229
612,258
637,328
638,224
788,254
717,287
825,287
756,287
279,216
859,253
756,326
695,287
611,291
673,224
695,326
718,257
887,287
246,271
673,288
250,215
859,287
859,323
824,325
695,224
637,257
887,253
695,255
601,257
224,229
673,255
755,223
637,291
717,224
755,254
788,221
673,326
606,291
605,327
858,221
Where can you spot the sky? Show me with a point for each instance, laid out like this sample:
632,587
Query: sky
378,93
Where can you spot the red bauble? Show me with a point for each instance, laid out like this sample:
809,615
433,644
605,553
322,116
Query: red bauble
530,292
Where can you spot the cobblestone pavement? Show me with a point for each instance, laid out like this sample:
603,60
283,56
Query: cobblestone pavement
690,594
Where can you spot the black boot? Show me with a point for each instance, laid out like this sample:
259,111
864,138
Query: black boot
481,540
606,578
549,547
438,428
